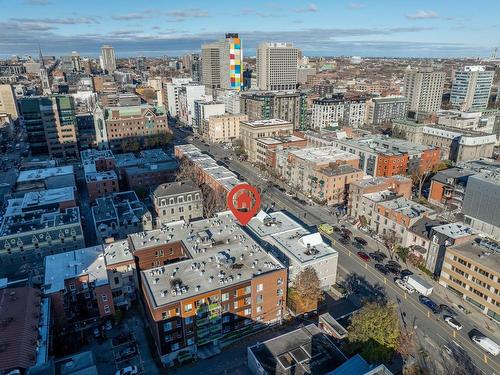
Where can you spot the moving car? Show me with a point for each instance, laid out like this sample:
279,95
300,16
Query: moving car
453,322
381,268
130,370
361,241
363,256
404,285
487,344
430,304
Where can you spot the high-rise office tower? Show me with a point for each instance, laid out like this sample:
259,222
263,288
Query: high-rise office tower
277,66
424,90
196,67
140,63
222,63
471,88
108,60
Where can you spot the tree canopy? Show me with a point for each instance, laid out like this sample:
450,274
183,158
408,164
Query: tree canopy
374,331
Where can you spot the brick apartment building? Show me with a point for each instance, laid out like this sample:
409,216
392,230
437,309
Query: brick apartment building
206,284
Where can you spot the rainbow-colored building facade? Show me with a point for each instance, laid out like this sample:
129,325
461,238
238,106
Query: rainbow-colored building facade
235,61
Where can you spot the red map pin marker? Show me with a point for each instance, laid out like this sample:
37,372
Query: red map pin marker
244,202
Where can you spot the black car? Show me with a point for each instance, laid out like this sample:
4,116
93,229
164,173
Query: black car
394,264
376,257
381,268
406,272
343,240
336,229
381,254
361,241
448,310
392,269
430,304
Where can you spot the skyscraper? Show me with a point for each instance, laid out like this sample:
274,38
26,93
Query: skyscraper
44,76
471,88
196,67
222,63
277,66
424,89
108,60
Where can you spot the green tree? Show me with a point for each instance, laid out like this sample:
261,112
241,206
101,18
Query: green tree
374,331
403,252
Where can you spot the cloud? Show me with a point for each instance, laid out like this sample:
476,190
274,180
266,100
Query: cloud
312,8
181,15
355,6
422,15
37,2
57,21
148,13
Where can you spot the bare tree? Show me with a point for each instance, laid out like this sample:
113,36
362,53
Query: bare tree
187,171
213,200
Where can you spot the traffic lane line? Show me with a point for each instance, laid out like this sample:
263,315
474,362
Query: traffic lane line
473,349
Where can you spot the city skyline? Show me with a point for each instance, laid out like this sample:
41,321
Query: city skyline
390,28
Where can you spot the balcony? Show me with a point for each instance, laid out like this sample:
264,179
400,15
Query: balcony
202,322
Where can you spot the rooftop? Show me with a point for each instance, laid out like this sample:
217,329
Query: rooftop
220,252
375,181
39,200
290,237
406,207
41,174
452,133
133,111
451,173
72,264
307,350
123,208
117,252
385,145
323,155
268,122
92,154
20,318
423,226
279,140
454,230
174,188
339,170
479,254
100,176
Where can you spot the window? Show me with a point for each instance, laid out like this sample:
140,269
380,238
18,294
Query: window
190,341
279,292
260,298
225,296
226,318
189,320
107,310
235,304
248,290
260,287
168,338
188,307
167,326
104,298
175,346
248,312
280,281
259,309
72,287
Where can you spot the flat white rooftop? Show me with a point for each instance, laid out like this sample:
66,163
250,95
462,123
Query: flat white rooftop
41,174
64,266
323,155
268,122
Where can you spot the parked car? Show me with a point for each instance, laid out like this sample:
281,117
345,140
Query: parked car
453,322
123,337
361,241
381,268
404,285
336,229
430,304
376,257
392,269
381,254
448,309
363,256
343,240
130,370
487,344
347,232
126,353
393,263
463,309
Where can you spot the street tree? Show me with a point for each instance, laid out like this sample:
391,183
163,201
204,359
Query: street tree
213,200
374,331
187,171
306,292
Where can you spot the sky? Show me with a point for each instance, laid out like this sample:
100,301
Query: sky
384,28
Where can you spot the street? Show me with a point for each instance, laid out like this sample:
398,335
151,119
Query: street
432,327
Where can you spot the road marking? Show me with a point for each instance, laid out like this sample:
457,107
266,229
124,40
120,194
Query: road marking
473,350
385,280
454,334
366,265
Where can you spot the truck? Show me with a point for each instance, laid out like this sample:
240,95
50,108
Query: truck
487,344
419,284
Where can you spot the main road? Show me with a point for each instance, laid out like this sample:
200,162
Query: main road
437,332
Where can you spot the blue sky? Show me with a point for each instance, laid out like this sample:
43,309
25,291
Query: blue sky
421,28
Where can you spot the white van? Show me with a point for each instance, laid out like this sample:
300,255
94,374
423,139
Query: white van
487,344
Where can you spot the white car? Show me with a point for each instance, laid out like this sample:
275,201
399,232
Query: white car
453,322
405,286
130,370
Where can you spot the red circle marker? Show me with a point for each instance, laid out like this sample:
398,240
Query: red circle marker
244,202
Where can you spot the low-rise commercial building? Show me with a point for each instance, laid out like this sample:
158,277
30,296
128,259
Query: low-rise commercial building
267,147
206,283
250,131
295,246
223,128
176,201
119,214
471,270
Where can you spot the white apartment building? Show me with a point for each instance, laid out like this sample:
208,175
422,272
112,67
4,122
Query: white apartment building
336,110
173,89
203,110
471,88
277,66
108,59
